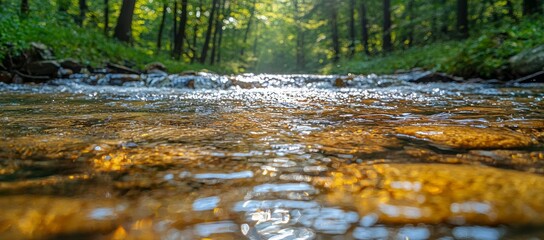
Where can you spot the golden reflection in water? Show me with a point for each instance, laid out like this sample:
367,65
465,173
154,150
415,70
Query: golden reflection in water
437,193
469,137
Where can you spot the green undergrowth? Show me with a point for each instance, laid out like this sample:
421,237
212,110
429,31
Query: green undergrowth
434,56
89,46
483,55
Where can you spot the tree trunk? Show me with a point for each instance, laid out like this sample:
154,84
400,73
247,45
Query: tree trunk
256,40
106,17
445,17
83,8
180,36
219,44
246,34
24,7
510,8
387,45
301,61
364,26
63,6
410,35
462,18
161,28
218,26
352,28
123,30
206,46
333,11
195,32
531,7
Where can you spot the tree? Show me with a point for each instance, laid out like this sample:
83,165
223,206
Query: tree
531,7
181,32
333,11
462,18
387,45
83,8
206,46
106,16
352,28
174,32
196,25
409,38
364,26
63,5
24,7
123,29
161,27
510,7
301,57
226,14
218,26
248,27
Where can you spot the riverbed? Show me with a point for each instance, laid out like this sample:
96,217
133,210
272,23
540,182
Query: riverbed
271,157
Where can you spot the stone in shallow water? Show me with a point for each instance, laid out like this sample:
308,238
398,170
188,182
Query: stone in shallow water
352,141
439,193
468,137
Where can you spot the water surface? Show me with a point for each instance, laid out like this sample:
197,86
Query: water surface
271,157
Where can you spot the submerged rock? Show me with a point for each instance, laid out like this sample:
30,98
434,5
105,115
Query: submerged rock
439,193
468,137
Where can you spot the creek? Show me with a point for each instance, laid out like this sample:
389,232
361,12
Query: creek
271,157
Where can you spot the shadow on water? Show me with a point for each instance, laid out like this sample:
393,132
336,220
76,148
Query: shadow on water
270,157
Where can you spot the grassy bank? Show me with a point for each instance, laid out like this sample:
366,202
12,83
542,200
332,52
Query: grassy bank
89,46
483,55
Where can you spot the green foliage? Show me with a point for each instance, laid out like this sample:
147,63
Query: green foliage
67,40
433,57
487,56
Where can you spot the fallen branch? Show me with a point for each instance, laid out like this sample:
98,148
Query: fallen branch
533,78
32,78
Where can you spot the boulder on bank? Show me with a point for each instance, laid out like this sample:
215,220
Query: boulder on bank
71,64
155,67
528,62
48,68
5,77
429,77
40,52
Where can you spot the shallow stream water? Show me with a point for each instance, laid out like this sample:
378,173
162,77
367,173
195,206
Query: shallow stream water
271,157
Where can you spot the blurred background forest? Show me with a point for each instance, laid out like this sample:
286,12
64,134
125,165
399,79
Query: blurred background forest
461,37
